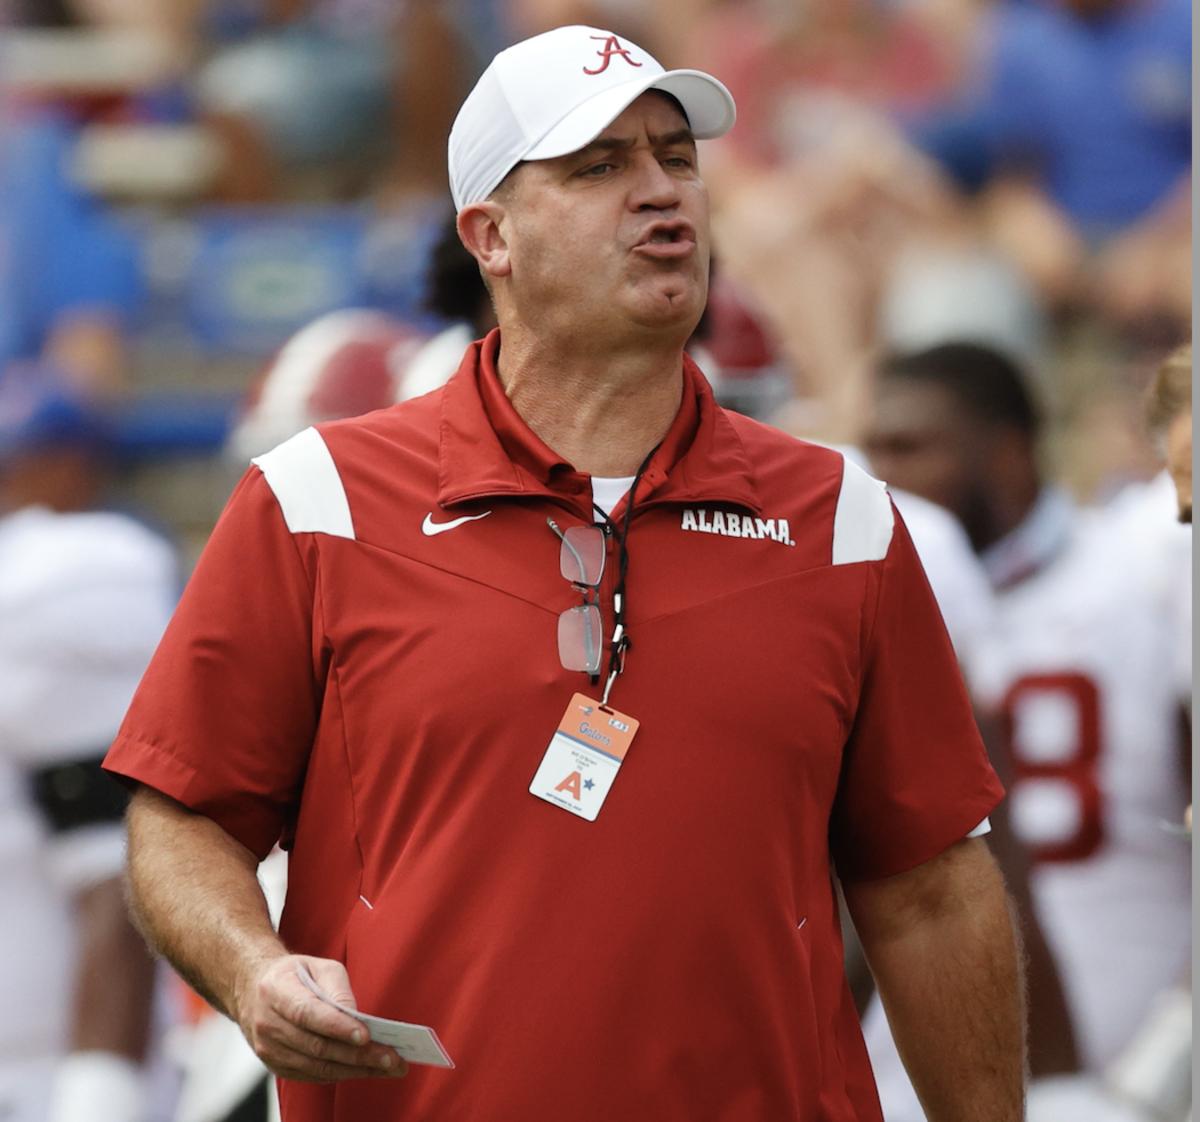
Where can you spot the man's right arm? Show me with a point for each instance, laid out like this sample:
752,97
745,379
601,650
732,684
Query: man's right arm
195,895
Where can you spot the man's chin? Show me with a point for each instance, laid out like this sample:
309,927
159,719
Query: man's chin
669,308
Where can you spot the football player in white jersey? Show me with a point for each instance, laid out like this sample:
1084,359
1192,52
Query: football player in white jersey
84,597
1154,1070
1169,413
1079,679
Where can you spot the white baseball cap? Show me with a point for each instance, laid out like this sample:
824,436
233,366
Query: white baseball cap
555,93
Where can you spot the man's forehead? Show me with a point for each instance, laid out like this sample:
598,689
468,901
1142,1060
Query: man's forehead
662,116
903,402
656,110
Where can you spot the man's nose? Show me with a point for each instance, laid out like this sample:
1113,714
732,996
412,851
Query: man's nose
654,187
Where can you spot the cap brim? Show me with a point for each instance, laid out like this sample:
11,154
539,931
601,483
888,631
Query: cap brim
708,104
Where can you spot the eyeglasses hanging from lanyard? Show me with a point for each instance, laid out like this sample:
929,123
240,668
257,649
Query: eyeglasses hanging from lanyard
581,560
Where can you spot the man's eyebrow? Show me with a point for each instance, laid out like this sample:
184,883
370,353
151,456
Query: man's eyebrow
621,144
606,144
678,136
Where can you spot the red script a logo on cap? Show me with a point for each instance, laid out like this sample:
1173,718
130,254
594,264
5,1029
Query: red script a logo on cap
612,46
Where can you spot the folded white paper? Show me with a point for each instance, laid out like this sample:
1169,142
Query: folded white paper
417,1044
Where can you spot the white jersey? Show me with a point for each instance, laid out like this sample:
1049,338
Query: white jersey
956,575
1088,674
958,579
83,601
434,364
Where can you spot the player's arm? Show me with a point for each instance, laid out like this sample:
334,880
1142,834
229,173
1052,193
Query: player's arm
113,993
1053,1049
942,945
115,980
197,899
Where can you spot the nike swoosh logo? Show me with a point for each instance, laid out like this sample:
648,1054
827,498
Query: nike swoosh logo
430,528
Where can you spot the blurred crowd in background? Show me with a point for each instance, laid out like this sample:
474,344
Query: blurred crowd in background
224,220
188,183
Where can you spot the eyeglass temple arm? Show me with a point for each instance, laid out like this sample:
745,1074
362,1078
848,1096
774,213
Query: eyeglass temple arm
574,552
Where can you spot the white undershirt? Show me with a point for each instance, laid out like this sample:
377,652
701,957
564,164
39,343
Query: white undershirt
607,492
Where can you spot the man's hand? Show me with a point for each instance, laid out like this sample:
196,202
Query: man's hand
299,1036
198,902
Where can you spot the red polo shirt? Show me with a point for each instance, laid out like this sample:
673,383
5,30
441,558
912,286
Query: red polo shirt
350,673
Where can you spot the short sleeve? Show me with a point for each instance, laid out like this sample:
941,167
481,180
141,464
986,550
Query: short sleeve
915,775
224,718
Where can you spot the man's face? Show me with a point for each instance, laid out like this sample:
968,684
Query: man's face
1179,462
919,441
614,236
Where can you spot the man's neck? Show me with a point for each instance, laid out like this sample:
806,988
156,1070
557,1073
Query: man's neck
1003,512
602,410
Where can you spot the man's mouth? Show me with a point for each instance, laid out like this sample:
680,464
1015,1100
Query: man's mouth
667,240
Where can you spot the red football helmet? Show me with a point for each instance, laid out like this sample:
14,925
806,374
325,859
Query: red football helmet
343,364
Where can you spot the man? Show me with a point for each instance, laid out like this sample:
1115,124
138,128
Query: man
1155,1069
84,597
1170,416
366,664
1083,676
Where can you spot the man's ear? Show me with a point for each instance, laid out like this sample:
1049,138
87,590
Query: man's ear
480,229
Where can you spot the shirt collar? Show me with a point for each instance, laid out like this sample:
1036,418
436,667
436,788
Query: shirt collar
1034,543
487,450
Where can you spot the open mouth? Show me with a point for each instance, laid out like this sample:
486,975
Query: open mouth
668,239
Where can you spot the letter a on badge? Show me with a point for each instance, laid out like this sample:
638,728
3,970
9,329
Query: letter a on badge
571,785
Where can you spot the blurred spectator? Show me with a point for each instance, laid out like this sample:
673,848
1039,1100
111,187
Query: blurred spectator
84,597
325,95
791,66
816,242
1084,676
299,94
1083,128
69,280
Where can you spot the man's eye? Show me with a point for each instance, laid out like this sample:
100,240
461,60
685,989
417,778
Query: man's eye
678,161
597,169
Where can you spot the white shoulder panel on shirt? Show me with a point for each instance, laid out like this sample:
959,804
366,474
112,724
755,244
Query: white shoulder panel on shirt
863,523
306,483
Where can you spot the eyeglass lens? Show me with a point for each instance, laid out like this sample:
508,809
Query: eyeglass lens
581,557
580,642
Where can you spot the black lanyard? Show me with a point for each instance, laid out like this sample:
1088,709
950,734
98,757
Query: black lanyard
621,643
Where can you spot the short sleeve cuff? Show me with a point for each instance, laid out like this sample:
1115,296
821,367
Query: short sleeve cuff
247,820
919,844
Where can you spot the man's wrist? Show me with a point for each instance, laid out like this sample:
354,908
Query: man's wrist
254,963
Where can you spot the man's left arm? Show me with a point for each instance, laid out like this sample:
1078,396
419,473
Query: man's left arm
941,942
